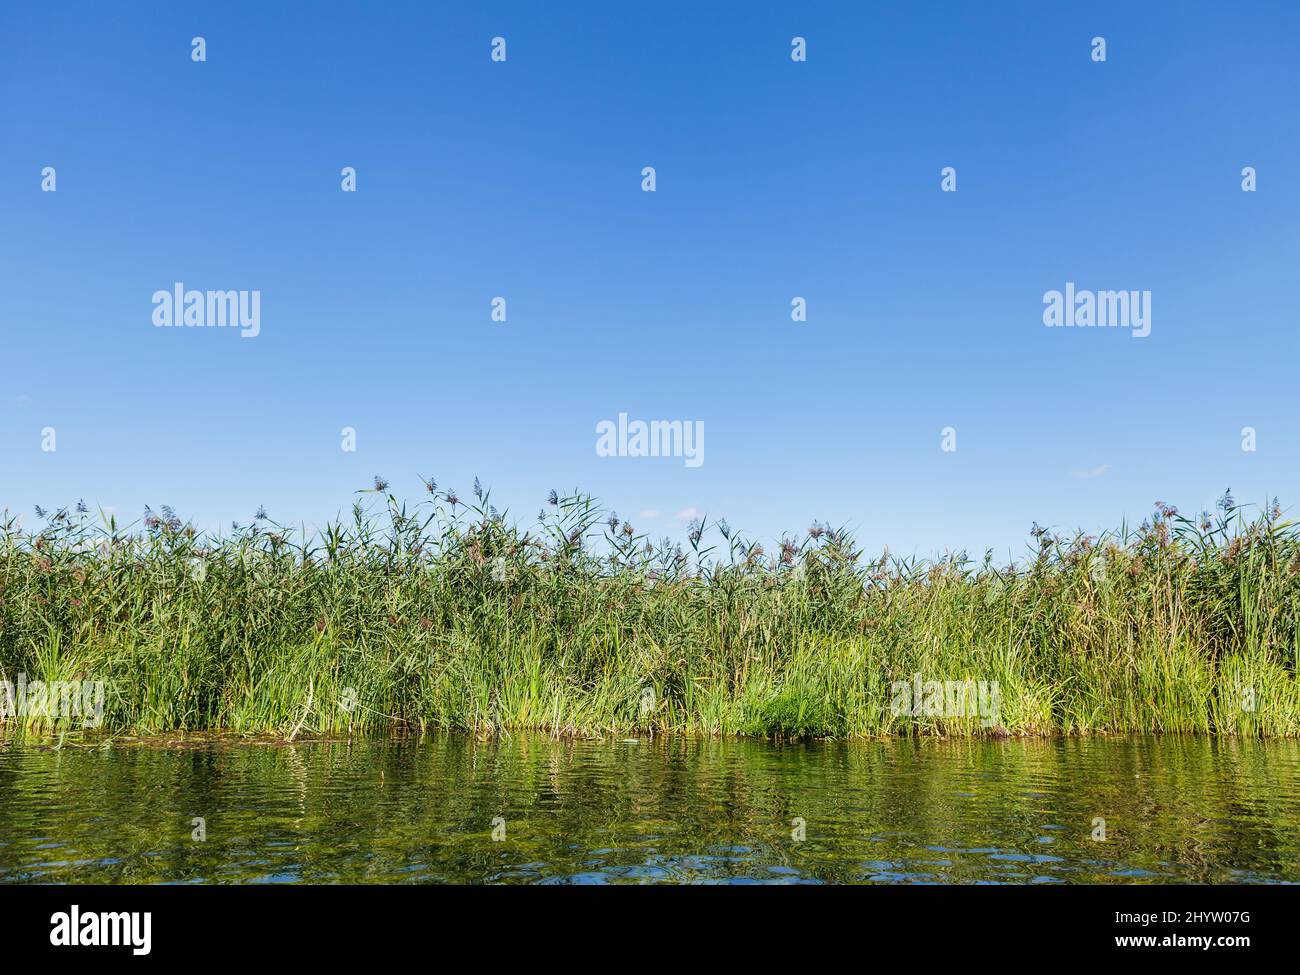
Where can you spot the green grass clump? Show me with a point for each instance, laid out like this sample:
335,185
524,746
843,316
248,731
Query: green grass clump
446,615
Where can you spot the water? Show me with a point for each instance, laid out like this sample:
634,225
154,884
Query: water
1176,810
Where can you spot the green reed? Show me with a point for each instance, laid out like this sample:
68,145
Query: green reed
444,614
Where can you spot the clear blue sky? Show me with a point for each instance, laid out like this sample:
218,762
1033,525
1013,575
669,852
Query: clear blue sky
775,179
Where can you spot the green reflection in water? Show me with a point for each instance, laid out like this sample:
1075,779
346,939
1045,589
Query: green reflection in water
1020,811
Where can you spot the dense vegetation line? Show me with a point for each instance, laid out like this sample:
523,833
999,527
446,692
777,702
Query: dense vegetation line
445,614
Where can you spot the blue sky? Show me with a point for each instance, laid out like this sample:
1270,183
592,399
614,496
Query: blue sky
775,179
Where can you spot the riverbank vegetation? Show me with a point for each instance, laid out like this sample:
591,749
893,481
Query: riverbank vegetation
446,614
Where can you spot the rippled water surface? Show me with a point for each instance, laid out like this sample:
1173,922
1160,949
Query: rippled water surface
1175,810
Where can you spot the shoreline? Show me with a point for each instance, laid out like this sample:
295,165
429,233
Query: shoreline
46,741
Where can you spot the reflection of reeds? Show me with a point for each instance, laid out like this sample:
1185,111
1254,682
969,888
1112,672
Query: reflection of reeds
443,614
393,810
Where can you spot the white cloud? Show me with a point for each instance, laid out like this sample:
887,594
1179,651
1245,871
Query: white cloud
1094,472
686,514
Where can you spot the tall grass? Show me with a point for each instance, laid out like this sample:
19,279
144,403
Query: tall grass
445,614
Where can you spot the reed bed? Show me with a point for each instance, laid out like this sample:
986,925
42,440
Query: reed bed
445,614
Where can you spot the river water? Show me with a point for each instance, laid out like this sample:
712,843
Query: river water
529,809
